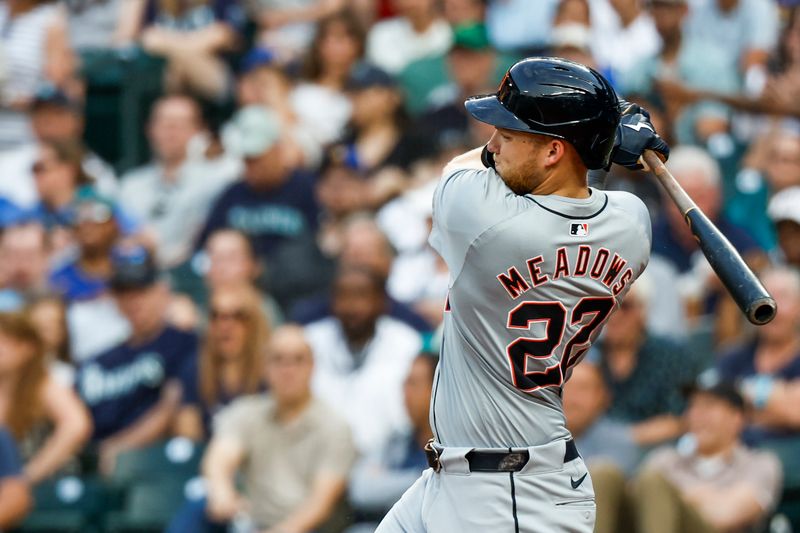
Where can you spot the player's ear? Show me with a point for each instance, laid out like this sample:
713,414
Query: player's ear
554,151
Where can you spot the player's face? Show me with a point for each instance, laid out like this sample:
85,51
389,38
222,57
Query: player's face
517,159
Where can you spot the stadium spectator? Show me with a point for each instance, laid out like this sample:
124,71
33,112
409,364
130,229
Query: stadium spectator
644,373
230,357
173,193
97,28
14,490
48,314
193,39
419,277
46,418
769,366
292,451
230,261
464,12
698,173
713,483
263,81
745,32
380,142
520,26
274,206
689,62
319,99
771,164
471,66
24,251
572,32
342,192
417,30
56,118
380,478
606,445
83,280
623,35
58,174
362,356
363,245
134,389
36,52
289,27
784,212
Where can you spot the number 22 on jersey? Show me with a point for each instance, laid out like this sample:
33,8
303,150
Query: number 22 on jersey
522,350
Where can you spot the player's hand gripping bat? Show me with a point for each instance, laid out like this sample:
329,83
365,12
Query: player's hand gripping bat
748,292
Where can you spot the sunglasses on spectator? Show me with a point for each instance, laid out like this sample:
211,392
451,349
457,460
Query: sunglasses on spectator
96,213
237,315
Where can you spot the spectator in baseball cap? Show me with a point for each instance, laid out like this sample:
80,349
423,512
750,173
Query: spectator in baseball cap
710,481
96,231
156,361
784,210
273,205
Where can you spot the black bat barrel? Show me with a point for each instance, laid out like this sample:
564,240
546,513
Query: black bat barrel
746,289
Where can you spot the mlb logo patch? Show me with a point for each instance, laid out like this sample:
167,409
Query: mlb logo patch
579,229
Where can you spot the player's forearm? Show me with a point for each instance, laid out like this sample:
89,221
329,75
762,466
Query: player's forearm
468,160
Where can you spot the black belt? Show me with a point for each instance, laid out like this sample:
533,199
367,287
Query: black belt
495,461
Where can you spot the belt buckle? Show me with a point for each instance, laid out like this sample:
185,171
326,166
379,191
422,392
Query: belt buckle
433,456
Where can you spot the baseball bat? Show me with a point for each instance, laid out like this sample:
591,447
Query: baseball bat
743,285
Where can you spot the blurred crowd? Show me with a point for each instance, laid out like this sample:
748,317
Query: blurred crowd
260,287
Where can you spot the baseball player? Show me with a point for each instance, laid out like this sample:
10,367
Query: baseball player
538,261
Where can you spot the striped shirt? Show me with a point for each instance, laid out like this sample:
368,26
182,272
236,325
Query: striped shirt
22,46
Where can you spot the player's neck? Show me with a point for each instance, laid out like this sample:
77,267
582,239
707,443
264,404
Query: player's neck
567,180
559,187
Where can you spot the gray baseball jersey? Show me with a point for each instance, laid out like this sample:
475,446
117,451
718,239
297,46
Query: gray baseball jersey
532,281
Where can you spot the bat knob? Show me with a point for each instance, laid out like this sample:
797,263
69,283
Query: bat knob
762,310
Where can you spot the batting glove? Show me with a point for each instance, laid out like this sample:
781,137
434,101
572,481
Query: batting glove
635,134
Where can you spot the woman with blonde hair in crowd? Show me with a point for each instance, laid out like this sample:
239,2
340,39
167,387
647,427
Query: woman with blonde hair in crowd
230,357
46,418
48,314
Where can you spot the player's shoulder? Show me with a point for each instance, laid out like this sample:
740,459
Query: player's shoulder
629,207
625,201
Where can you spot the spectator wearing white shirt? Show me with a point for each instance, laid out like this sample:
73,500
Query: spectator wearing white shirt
319,101
418,31
173,193
623,34
362,357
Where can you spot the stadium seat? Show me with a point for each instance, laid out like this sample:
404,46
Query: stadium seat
788,451
154,482
67,504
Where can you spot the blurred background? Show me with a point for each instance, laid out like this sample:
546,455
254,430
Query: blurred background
218,307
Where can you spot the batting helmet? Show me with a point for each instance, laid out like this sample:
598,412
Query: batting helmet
558,98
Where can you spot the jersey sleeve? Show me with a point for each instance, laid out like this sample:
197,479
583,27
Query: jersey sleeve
466,203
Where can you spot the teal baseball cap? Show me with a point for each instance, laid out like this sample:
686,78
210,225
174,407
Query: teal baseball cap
253,130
